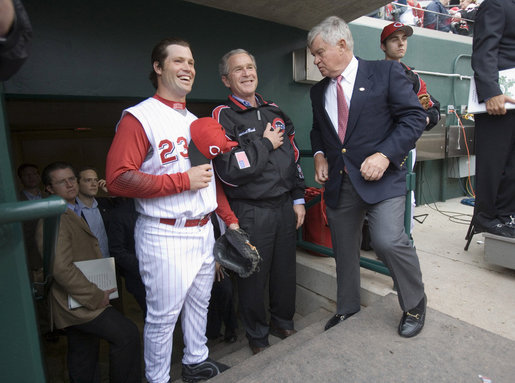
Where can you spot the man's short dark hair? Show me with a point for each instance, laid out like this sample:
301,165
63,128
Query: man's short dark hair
45,176
24,166
160,53
83,169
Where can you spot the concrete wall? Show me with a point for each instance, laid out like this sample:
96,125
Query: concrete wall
102,49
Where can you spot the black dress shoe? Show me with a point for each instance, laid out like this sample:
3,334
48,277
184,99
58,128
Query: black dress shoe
496,227
337,318
281,332
412,321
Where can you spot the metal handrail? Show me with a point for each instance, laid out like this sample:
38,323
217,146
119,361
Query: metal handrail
50,210
29,210
426,11
364,262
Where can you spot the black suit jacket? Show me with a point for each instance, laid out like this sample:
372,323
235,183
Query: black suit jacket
494,45
384,116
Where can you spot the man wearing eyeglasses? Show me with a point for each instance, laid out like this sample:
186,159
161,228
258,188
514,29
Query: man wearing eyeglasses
95,319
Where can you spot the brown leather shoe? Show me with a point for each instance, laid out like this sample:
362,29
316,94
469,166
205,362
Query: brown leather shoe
281,332
257,349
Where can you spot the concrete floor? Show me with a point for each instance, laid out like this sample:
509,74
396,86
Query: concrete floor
458,283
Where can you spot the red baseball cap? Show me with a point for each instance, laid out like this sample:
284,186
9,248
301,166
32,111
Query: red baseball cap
208,140
394,27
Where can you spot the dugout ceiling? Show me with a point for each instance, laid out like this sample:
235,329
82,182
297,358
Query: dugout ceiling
303,14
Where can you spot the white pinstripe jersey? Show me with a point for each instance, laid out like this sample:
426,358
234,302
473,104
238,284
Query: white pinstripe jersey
168,131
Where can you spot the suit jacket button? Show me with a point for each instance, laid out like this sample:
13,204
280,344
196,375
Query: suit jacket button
344,150
341,171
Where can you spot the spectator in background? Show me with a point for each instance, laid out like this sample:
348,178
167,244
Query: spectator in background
30,181
95,319
121,246
468,10
418,12
438,16
15,35
88,189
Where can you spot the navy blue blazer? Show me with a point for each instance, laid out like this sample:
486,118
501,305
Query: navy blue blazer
384,116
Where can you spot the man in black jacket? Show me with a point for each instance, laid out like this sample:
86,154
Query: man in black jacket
493,51
265,187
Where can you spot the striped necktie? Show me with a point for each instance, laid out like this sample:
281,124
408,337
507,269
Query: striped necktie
343,109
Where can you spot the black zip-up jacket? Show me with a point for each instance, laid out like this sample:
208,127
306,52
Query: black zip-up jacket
254,170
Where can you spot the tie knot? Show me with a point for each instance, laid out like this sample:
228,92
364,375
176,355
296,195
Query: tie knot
339,78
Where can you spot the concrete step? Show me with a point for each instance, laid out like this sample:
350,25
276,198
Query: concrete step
367,348
238,352
244,363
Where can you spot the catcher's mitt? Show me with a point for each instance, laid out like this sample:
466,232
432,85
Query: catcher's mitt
424,100
234,251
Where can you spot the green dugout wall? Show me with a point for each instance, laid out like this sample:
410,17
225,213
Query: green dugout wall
99,51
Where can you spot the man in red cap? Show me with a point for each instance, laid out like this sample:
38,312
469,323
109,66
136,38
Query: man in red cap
394,44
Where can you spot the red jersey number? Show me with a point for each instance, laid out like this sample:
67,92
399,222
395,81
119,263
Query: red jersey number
167,150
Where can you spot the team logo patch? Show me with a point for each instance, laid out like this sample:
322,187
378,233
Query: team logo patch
243,161
278,124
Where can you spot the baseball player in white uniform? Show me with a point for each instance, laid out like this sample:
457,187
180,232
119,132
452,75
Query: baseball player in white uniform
148,160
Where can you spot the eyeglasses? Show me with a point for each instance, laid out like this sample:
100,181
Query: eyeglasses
65,181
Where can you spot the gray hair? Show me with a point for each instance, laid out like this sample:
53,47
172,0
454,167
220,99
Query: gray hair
223,67
332,30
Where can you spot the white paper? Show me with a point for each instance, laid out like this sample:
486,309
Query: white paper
101,272
507,85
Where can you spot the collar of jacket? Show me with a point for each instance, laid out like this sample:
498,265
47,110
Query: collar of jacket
238,106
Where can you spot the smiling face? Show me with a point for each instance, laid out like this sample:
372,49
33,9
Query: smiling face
395,46
175,78
242,76
331,60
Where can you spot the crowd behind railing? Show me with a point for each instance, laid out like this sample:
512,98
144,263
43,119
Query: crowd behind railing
453,16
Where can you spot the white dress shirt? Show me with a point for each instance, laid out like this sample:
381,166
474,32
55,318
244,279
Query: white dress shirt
349,77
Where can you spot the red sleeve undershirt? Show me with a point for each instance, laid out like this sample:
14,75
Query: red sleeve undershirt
128,151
